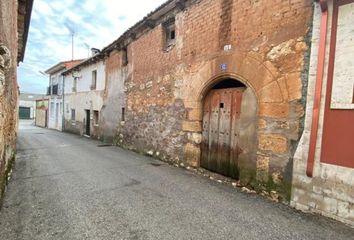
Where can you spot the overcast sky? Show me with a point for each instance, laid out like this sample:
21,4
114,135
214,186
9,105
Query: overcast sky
96,23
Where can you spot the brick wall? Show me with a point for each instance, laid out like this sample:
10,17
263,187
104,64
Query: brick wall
165,87
8,88
331,189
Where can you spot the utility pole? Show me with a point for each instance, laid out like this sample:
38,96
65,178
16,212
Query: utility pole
72,33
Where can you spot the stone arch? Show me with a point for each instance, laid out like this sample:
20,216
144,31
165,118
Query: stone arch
250,69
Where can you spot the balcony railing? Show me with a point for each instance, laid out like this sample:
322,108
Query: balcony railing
53,90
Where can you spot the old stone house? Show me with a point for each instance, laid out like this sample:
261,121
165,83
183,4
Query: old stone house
14,24
217,84
83,97
55,93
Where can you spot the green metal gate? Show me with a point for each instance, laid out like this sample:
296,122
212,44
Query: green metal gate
25,113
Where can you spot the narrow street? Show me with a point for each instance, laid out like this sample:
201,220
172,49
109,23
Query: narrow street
67,187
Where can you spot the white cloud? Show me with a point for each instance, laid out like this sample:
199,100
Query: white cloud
96,23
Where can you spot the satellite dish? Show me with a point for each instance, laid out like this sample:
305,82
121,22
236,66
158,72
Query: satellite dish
76,74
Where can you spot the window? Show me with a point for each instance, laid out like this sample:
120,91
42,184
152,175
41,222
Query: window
75,84
55,89
123,114
95,117
73,114
170,33
125,56
94,80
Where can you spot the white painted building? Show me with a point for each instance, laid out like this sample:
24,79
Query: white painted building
27,105
83,98
55,93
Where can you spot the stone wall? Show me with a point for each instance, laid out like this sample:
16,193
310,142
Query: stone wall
114,96
8,88
331,189
260,43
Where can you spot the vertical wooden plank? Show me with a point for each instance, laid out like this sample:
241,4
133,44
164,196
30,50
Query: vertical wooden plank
206,131
224,131
214,131
234,143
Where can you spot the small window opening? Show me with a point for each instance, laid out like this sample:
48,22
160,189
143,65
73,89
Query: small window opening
125,57
75,84
95,117
73,114
173,35
123,114
221,105
170,33
94,80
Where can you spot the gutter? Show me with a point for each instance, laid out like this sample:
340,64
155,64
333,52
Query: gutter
318,88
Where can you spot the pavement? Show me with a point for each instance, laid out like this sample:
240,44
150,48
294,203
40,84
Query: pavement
67,187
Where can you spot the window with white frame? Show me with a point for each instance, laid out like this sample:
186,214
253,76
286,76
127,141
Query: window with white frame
94,80
73,114
75,84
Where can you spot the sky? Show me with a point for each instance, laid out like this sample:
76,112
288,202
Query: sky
96,23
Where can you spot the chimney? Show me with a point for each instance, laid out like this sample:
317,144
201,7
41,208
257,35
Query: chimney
94,51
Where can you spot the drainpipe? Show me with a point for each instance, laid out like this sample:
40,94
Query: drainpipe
318,91
62,116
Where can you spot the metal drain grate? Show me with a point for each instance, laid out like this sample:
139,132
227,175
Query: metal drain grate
156,164
104,145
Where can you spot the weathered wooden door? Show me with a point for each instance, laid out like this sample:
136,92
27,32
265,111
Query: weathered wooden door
221,113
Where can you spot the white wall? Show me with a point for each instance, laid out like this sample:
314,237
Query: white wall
84,98
85,79
29,104
55,110
331,189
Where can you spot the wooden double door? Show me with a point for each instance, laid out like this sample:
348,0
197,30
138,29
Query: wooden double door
220,145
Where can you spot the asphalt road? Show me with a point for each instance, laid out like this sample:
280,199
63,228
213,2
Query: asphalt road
66,187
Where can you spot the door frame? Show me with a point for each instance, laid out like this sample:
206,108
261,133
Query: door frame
87,122
234,95
205,90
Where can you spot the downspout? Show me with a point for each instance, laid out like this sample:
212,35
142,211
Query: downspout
62,116
318,90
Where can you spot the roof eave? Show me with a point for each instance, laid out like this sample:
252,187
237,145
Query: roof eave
27,20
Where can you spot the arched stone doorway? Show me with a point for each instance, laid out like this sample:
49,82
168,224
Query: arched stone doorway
229,139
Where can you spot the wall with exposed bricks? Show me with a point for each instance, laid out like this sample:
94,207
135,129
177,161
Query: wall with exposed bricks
261,43
8,88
